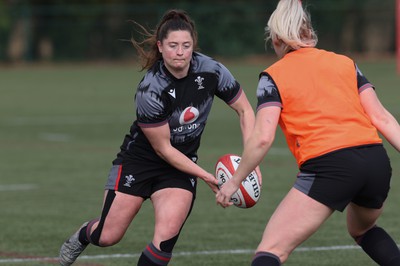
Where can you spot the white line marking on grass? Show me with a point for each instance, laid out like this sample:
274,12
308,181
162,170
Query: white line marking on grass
17,187
305,249
177,254
25,260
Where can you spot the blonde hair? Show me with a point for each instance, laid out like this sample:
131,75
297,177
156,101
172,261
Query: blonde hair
291,24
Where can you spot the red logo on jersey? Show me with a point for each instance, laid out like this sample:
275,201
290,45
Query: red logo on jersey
189,115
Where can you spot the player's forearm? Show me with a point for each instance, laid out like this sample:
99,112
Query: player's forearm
253,153
247,120
178,160
390,129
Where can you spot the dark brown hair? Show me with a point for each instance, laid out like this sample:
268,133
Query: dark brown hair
172,20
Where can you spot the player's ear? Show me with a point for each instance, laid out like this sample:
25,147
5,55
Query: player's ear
159,45
277,42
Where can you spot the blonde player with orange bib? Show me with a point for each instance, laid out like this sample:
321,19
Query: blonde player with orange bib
330,115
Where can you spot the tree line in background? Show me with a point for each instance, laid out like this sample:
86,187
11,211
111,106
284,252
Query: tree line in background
75,30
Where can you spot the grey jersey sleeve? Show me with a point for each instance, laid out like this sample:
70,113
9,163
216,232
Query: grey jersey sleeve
151,105
362,81
228,88
267,92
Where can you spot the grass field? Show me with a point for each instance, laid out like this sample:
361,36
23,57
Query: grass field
60,127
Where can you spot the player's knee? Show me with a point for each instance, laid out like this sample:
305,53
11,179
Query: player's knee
102,238
107,240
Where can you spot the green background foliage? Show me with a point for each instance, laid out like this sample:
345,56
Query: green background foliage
66,30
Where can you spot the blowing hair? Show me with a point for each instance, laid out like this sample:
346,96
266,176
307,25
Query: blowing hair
291,24
172,20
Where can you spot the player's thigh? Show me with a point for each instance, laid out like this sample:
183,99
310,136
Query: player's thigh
121,211
361,219
296,218
171,207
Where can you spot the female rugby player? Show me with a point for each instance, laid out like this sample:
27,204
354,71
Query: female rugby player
330,115
158,158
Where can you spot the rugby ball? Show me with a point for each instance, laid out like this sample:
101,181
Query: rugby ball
249,191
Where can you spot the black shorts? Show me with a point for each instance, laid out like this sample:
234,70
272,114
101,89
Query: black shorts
132,179
359,174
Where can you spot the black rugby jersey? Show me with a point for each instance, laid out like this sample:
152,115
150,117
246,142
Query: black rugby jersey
182,103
